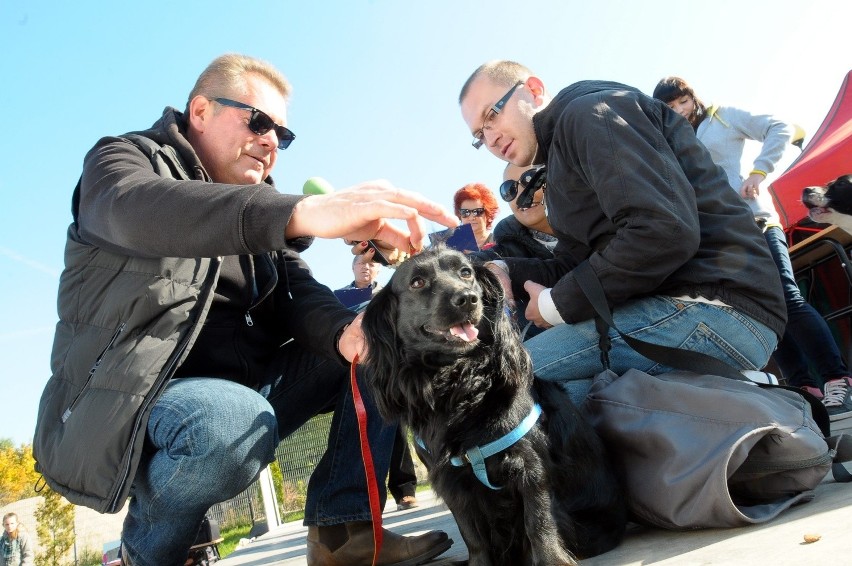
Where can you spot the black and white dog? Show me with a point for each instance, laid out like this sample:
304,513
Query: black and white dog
526,478
831,204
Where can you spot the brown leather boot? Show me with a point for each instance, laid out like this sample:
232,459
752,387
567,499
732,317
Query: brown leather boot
328,547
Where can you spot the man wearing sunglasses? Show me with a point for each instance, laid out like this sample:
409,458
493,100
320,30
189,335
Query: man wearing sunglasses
192,336
631,191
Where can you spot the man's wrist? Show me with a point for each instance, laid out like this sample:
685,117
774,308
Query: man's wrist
547,308
338,337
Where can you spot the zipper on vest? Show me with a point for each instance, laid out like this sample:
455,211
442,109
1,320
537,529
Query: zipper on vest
92,371
118,495
249,321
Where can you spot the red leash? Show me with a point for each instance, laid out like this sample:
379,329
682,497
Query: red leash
369,469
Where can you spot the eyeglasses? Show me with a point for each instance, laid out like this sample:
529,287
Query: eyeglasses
476,212
260,123
532,180
479,135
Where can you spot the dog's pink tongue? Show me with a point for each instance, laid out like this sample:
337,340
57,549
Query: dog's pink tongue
465,331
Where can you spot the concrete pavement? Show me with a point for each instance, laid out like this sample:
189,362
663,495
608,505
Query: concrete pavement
778,543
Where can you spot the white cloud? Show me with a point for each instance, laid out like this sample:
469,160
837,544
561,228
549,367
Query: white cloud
13,255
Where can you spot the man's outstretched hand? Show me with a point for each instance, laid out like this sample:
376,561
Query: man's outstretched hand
362,213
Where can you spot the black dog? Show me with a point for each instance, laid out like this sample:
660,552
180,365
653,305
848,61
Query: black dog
831,204
446,360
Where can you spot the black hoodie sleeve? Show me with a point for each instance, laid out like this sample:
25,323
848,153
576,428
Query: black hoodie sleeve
619,191
128,207
312,314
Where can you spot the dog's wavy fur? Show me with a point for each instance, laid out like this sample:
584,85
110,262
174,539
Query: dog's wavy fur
559,499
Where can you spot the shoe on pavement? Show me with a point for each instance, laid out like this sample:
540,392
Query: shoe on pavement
838,398
351,544
407,502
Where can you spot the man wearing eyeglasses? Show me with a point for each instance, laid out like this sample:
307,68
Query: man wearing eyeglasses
631,191
192,336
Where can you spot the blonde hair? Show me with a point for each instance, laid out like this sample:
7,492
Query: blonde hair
502,72
226,76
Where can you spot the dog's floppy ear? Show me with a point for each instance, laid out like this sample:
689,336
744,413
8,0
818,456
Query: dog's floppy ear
492,291
383,348
506,343
842,183
493,301
379,327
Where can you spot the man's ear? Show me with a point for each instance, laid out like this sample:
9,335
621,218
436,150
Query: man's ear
200,109
536,87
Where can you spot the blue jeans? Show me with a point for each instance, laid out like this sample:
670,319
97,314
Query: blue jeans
807,337
208,439
569,353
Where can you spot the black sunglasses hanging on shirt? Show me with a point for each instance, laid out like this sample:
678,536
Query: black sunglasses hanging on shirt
531,179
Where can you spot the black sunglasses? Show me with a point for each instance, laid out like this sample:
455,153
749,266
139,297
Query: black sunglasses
260,123
531,179
477,212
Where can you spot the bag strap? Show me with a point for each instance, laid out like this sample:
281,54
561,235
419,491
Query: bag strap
841,446
678,358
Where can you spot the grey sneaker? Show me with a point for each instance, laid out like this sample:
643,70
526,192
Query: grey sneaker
838,398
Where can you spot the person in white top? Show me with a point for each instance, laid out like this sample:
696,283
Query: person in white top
807,339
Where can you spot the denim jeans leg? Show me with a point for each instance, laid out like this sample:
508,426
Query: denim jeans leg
402,477
207,440
807,337
569,353
307,385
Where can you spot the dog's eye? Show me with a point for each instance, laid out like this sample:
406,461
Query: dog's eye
466,273
417,283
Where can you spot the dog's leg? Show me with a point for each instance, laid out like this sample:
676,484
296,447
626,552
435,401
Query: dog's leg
477,548
545,542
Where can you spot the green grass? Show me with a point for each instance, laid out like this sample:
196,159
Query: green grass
232,536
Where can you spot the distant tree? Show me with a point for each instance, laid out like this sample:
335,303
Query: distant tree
17,472
90,557
55,528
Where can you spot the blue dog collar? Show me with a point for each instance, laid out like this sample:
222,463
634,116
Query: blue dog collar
476,456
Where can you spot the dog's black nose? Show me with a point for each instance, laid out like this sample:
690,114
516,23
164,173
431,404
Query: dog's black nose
465,298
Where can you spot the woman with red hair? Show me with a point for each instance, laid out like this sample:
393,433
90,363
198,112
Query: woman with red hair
476,205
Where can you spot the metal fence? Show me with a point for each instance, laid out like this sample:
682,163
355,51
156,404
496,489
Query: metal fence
296,457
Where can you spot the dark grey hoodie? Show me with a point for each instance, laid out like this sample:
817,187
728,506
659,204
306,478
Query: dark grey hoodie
143,259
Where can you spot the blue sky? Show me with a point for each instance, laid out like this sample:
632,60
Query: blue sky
375,96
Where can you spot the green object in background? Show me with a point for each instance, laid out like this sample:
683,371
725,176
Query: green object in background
317,186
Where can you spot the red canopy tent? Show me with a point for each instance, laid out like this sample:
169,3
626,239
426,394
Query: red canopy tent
826,157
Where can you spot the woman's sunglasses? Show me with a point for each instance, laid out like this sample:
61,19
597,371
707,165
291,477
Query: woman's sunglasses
260,123
532,180
476,212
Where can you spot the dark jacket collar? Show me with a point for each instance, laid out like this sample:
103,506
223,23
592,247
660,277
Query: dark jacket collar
170,129
545,121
